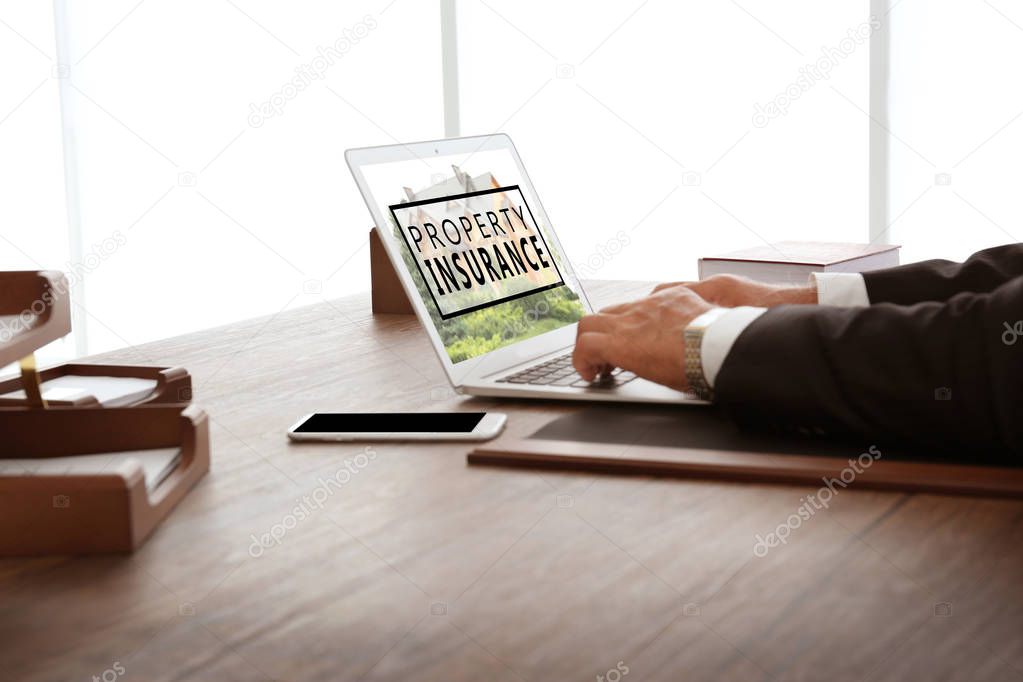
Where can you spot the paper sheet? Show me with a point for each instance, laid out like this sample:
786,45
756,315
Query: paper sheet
157,463
109,391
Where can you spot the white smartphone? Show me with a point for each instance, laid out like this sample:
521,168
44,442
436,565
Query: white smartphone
351,426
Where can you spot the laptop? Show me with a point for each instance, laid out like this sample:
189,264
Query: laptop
484,270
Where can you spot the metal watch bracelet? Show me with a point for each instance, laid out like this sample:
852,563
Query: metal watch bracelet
693,340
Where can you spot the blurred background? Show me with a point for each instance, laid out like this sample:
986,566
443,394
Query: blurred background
183,161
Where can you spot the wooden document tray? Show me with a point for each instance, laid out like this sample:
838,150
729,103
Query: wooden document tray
90,514
703,443
34,310
56,509
173,384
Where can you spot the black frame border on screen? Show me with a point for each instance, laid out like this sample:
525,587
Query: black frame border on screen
466,195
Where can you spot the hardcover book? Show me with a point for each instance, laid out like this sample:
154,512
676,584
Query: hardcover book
792,262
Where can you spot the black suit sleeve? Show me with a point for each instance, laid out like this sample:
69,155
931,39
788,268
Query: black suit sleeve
940,280
940,375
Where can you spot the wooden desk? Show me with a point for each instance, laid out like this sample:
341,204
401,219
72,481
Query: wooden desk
419,567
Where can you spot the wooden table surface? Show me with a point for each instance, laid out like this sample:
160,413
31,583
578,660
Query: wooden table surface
419,567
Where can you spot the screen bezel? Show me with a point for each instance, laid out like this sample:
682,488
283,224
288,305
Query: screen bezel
488,427
500,358
395,419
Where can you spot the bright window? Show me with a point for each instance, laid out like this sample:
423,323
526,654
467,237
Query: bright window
956,125
184,161
639,119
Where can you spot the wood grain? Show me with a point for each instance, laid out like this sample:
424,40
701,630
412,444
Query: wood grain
418,566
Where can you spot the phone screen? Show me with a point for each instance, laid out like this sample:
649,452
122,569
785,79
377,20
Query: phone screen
391,422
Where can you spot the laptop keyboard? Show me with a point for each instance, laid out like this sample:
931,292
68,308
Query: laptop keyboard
559,372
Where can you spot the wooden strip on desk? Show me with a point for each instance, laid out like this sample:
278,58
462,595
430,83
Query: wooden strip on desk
645,460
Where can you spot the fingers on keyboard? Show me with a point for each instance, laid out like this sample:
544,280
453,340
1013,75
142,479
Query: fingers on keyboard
559,372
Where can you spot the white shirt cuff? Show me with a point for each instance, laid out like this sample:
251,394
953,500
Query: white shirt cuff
721,334
845,289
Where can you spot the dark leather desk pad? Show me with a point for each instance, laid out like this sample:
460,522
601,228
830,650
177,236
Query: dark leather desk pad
707,428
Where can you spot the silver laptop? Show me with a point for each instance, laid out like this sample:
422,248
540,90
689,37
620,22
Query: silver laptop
484,269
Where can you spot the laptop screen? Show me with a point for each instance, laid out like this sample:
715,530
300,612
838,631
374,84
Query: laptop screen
486,267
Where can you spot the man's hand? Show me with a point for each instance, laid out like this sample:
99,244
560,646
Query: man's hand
731,291
645,337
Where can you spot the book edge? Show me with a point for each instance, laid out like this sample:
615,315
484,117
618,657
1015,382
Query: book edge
888,248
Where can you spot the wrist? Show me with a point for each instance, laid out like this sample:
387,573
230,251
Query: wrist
797,295
695,377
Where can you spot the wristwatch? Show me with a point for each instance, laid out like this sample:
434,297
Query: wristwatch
693,338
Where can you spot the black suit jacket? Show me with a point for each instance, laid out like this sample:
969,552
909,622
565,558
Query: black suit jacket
928,363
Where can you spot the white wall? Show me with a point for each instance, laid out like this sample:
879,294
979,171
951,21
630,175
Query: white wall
638,116
33,218
210,213
229,212
956,118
